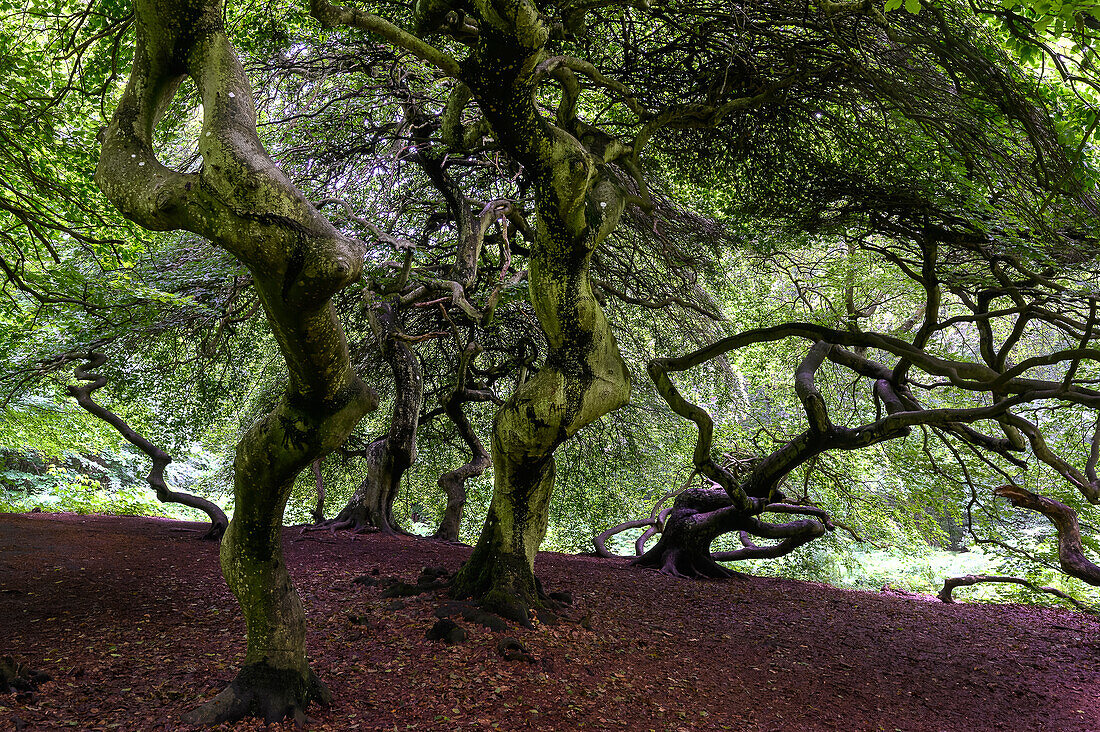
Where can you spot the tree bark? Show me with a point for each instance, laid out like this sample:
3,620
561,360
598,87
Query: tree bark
698,517
701,515
453,482
389,457
318,513
577,204
244,203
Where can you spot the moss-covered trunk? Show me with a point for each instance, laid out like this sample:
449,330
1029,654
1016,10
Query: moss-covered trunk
578,203
242,201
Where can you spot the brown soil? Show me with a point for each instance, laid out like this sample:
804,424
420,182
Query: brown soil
132,620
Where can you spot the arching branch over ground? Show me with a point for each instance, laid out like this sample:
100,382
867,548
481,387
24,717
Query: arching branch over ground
735,502
953,583
161,459
1071,553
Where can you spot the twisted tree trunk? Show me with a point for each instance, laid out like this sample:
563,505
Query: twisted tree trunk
388,458
242,202
577,205
453,482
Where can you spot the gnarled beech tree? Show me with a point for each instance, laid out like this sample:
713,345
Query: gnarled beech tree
388,457
583,179
999,391
574,94
241,201
735,502
578,203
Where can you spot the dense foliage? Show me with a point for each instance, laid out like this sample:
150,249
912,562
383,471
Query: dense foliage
840,258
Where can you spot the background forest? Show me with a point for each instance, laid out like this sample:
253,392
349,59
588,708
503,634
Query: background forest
921,209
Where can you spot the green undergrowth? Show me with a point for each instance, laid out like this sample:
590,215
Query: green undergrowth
111,483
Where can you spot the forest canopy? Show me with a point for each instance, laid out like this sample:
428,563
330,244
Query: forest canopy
772,284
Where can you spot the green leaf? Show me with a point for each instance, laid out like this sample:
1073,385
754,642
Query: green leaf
912,6
893,5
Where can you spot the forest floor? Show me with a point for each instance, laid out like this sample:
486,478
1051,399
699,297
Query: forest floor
131,618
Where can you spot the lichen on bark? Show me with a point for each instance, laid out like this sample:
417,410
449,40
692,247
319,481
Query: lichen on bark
242,202
584,376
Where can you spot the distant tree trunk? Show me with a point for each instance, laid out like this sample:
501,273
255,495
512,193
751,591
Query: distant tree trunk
244,203
453,482
318,513
389,457
161,459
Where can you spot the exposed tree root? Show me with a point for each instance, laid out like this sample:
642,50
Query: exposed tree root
262,691
358,521
685,563
16,678
512,592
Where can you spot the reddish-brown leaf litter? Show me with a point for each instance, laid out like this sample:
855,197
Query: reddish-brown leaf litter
131,619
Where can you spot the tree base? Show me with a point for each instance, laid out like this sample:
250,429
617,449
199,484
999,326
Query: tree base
215,532
262,691
362,520
679,562
504,586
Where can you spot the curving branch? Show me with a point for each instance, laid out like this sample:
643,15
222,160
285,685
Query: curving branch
792,534
952,583
1071,552
333,15
600,539
83,395
1089,486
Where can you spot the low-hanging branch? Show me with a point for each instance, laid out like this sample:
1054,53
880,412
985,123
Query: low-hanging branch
1071,552
83,395
952,583
735,502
